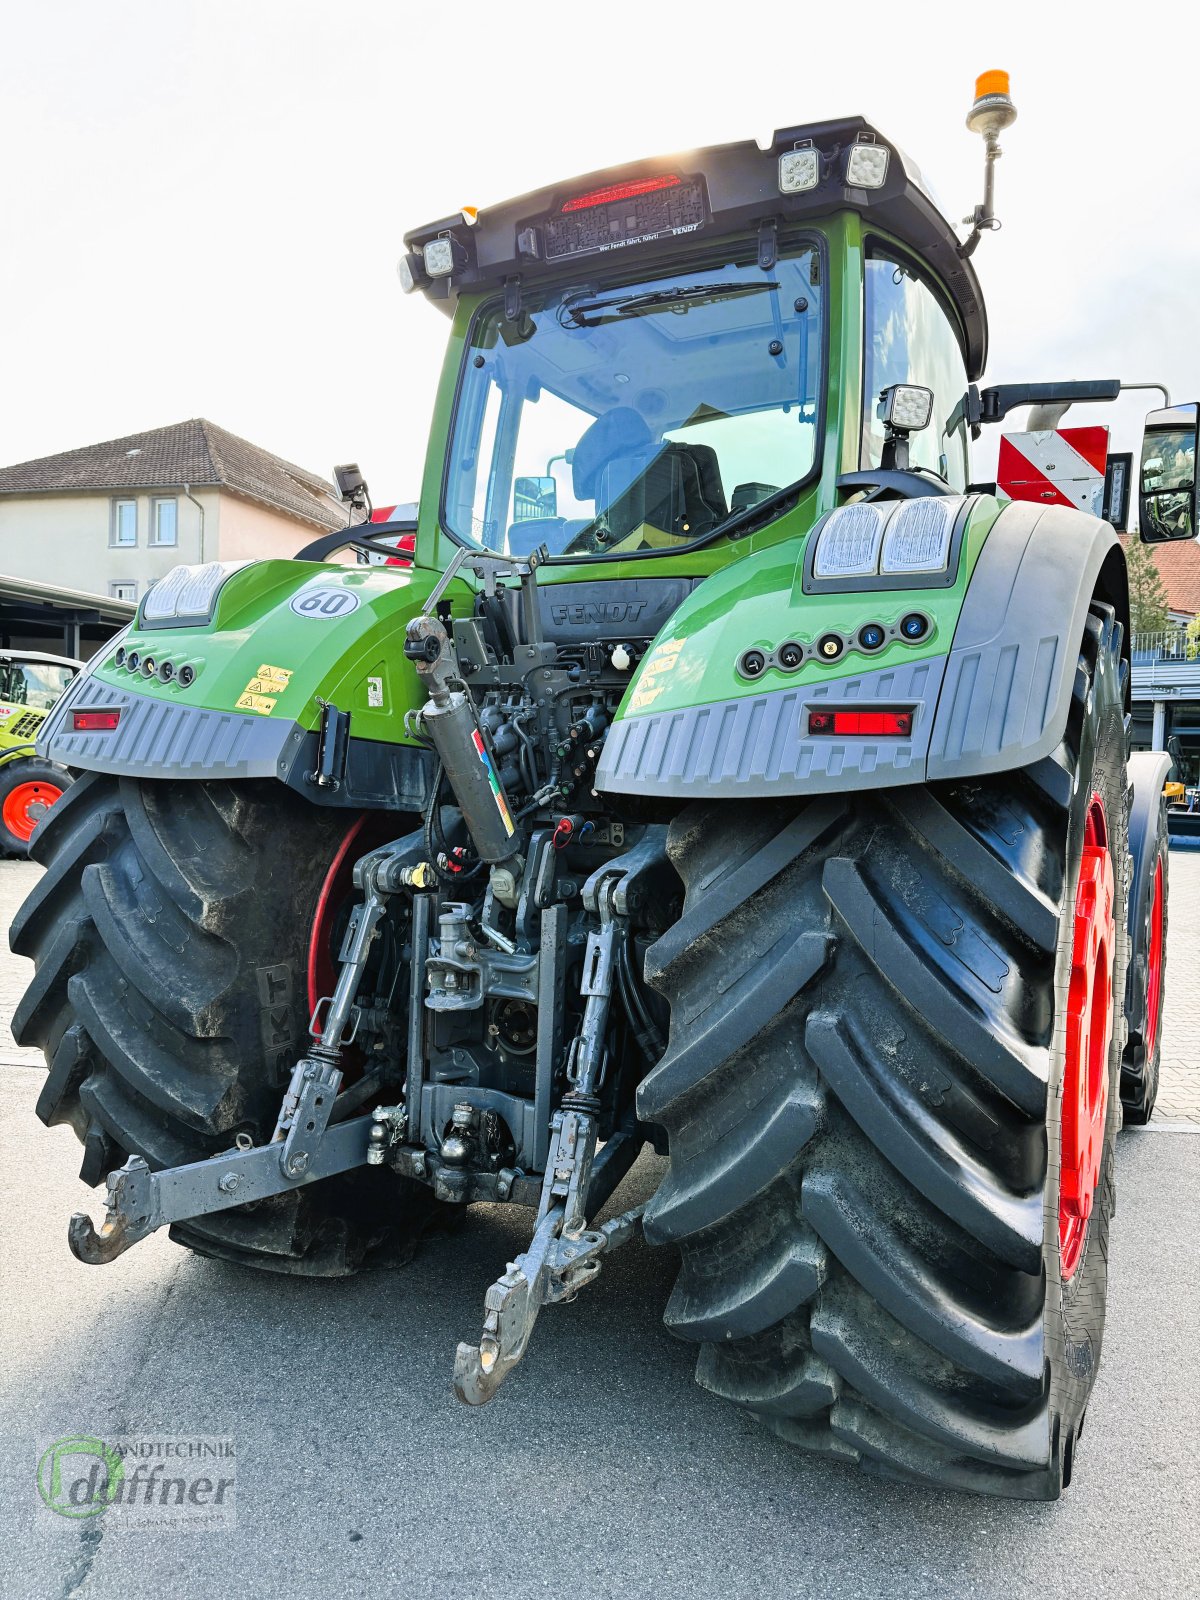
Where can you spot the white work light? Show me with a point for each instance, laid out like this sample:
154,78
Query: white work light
918,535
866,167
799,170
848,544
406,270
906,407
186,595
439,257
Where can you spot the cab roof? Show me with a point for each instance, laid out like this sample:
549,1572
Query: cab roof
643,209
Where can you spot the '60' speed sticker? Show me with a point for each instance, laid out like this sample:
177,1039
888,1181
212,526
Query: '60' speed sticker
323,601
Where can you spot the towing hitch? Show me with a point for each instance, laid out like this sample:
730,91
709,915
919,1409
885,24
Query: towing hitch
551,1271
140,1201
565,1251
304,1146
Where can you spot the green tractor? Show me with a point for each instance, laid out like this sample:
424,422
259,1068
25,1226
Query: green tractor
725,774
31,683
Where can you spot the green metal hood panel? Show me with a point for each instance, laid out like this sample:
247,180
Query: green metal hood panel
759,601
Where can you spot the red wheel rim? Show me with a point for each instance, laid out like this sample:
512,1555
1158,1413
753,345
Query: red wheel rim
26,805
1154,963
334,891
1089,1034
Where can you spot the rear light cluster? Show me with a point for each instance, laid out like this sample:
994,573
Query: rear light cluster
149,666
858,724
96,721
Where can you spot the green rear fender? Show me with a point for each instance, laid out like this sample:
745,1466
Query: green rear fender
988,686
243,695
287,635
758,603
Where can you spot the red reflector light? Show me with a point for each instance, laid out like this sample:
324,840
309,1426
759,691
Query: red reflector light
621,191
96,721
876,724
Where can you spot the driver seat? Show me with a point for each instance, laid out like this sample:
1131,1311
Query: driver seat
619,464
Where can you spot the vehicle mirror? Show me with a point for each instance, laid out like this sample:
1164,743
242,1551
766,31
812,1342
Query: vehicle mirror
1167,499
534,497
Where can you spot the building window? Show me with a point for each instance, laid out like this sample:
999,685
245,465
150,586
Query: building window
163,521
124,523
123,591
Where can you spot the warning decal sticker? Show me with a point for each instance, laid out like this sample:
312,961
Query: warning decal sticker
263,689
249,701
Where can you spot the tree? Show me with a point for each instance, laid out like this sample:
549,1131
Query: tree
1147,592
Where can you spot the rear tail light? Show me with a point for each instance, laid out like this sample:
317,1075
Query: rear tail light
875,724
96,721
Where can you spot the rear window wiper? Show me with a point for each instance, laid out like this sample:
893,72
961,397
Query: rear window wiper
684,295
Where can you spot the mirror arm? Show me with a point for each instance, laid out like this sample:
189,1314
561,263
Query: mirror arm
1161,387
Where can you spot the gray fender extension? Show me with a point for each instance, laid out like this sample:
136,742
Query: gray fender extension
1011,670
998,700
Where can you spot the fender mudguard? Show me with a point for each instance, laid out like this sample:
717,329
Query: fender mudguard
285,638
1007,686
996,698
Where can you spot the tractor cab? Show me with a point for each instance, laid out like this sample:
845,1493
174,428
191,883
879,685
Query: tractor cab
672,356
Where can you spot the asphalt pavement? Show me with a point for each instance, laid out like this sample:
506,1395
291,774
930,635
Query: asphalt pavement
601,1470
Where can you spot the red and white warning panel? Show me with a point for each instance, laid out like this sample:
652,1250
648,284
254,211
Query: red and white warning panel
404,542
1055,467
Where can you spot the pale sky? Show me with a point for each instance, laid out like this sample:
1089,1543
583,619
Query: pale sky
202,202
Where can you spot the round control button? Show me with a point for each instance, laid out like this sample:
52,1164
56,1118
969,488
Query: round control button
871,637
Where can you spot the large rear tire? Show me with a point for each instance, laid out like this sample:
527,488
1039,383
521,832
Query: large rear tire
170,938
877,1019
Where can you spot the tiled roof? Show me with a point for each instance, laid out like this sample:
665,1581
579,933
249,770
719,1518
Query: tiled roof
197,453
1179,564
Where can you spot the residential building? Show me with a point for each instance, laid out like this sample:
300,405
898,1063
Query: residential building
112,518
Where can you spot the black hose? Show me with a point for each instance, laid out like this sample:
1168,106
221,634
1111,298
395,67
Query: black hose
645,1031
435,839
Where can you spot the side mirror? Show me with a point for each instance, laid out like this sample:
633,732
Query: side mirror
1167,501
534,497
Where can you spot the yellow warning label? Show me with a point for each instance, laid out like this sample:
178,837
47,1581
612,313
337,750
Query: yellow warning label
266,681
654,675
255,702
646,695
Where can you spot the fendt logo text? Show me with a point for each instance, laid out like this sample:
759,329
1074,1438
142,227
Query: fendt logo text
581,612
